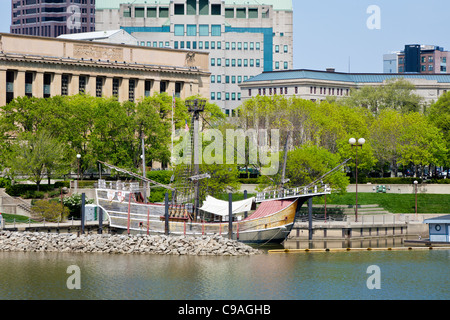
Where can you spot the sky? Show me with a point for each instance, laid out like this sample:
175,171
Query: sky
352,35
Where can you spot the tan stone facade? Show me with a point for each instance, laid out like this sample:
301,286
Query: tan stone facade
45,67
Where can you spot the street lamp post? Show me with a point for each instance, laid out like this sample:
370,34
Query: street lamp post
78,165
356,144
415,190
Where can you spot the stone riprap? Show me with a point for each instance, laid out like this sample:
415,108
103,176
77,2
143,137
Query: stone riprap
123,244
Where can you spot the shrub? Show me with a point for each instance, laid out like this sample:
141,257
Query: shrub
4,182
73,203
50,210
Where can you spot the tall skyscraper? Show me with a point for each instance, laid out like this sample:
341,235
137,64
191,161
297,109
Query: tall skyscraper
51,18
244,37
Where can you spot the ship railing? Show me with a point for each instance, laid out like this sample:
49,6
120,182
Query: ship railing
292,192
118,185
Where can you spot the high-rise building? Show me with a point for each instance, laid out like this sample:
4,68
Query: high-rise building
417,59
243,37
51,18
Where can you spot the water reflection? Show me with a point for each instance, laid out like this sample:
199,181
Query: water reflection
419,274
386,242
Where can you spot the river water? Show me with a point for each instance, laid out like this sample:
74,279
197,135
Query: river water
421,274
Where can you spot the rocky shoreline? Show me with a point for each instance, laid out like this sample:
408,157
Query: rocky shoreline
123,244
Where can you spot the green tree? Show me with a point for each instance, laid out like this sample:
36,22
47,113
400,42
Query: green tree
421,143
36,155
395,94
439,116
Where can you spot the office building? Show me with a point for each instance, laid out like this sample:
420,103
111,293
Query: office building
45,67
51,18
319,85
243,37
417,58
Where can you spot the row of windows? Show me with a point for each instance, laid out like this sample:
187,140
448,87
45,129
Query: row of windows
228,79
203,30
198,45
331,91
243,45
312,90
217,96
236,62
285,65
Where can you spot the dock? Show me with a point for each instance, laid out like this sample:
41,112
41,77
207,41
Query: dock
356,249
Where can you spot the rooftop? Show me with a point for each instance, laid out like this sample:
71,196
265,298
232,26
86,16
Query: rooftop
345,77
441,219
96,35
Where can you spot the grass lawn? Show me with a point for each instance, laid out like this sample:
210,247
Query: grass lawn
9,218
396,203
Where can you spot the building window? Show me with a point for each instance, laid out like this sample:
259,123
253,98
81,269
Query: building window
213,96
191,7
229,13
277,48
285,49
285,65
216,30
252,46
277,65
131,89
163,12
219,62
239,45
258,63
179,30
179,9
204,30
65,85
213,62
99,87
115,88
148,86
258,46
240,13
191,30
139,12
249,92
213,79
253,13
216,9
151,13
82,84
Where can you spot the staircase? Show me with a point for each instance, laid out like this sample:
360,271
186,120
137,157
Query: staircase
14,205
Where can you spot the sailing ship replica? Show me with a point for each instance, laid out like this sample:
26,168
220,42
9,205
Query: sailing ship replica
271,222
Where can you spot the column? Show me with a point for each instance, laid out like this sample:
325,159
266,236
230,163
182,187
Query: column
19,84
38,85
123,89
107,87
55,86
170,88
74,84
139,90
155,86
2,88
91,86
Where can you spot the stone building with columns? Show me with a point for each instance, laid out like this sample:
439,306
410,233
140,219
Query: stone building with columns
44,67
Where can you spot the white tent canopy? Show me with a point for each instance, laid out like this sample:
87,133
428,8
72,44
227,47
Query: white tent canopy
220,207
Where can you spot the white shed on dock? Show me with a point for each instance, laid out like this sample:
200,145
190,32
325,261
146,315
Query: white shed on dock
439,228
